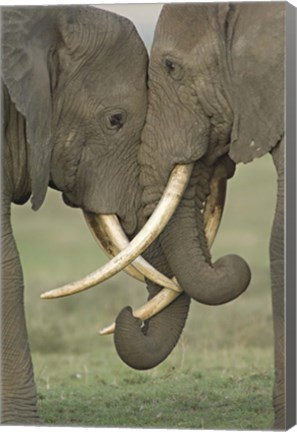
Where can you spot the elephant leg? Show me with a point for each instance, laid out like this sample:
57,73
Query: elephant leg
277,284
18,394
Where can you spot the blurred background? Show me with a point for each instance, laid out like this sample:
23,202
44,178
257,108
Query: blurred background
234,340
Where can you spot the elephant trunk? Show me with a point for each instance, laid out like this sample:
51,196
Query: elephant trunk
185,246
143,345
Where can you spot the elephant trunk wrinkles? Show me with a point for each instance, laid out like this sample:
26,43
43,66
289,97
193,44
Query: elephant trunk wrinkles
185,247
153,341
143,345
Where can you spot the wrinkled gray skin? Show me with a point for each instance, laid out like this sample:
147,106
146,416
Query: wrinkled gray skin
216,90
74,102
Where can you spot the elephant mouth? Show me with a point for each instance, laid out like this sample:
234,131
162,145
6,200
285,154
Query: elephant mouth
126,255
68,201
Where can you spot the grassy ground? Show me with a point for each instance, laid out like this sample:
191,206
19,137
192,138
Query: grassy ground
221,372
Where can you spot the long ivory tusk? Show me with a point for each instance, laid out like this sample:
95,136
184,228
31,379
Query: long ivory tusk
106,243
212,217
174,190
109,228
215,203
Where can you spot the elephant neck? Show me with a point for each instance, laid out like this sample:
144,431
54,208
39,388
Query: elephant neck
16,179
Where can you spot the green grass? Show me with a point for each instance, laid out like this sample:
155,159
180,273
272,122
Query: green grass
220,374
228,392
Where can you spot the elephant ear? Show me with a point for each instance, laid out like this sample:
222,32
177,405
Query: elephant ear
256,44
26,37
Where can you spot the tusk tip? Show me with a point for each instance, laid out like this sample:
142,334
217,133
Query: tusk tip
107,330
44,296
50,295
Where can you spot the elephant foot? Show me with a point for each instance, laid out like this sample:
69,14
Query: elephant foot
18,413
20,421
279,402
279,423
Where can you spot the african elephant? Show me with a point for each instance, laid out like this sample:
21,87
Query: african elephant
216,98
75,96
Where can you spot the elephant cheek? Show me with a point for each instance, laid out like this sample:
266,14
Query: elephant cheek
104,199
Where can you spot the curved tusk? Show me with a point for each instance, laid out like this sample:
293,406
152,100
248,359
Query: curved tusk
215,203
106,243
151,308
174,190
212,217
110,227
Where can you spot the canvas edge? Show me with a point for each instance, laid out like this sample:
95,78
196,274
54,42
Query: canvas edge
290,293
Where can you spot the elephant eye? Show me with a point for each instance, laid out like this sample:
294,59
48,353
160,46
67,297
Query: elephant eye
113,119
174,69
116,121
169,65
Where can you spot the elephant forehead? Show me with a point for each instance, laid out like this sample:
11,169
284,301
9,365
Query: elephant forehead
182,26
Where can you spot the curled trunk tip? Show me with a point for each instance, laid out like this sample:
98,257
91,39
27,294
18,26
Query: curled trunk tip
144,345
225,281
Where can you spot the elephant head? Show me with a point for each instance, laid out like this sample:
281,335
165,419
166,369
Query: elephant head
211,98
74,95
215,99
69,72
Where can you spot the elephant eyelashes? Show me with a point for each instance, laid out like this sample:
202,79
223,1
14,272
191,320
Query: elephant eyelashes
173,69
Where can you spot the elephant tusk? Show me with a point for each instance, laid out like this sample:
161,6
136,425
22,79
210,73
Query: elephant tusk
107,229
215,203
212,217
108,246
174,190
151,308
